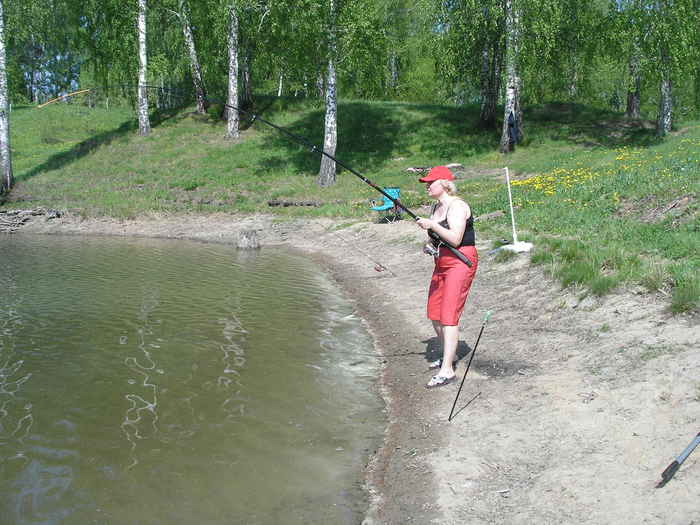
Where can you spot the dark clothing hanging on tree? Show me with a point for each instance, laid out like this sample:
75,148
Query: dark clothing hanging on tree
512,129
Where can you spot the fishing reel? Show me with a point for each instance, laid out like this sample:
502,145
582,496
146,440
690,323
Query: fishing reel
430,250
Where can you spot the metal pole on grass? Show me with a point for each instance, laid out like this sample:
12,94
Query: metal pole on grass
510,202
516,246
483,325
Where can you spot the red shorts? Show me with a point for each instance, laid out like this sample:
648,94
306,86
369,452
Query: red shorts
450,285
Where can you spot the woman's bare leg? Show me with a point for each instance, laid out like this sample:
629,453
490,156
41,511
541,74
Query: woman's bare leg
450,336
438,329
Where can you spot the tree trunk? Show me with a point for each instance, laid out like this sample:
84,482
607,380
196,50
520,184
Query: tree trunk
490,83
144,123
664,122
393,72
512,114
634,91
199,91
6,178
573,82
326,175
320,85
247,80
279,86
232,117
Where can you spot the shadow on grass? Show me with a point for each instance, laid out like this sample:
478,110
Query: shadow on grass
89,145
588,126
372,133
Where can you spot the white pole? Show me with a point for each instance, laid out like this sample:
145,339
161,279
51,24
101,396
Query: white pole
516,247
512,215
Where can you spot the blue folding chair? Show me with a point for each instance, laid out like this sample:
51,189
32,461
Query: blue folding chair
389,204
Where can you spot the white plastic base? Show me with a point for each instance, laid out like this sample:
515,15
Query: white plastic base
518,247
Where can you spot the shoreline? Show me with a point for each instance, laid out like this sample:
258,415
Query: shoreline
353,269
568,394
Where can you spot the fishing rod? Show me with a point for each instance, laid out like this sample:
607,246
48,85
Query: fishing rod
364,179
62,98
667,474
483,325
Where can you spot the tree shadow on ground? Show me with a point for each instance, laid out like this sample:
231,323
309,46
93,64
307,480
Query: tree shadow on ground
371,134
588,126
89,145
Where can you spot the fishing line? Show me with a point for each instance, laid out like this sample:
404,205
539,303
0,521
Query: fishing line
378,266
397,202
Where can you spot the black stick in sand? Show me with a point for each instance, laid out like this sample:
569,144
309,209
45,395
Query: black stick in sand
667,474
483,325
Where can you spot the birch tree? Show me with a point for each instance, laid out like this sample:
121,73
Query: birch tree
326,174
512,118
664,120
144,123
491,64
672,28
658,37
183,14
471,51
7,180
634,87
232,117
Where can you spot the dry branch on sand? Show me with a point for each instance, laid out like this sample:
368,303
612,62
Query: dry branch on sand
13,220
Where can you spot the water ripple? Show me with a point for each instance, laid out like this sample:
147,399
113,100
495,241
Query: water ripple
16,418
144,365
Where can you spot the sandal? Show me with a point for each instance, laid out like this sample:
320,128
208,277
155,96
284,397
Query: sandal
439,380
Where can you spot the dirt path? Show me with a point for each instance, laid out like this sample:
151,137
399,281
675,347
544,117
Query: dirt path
573,406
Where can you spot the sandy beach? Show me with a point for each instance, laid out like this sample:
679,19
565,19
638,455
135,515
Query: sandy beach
573,405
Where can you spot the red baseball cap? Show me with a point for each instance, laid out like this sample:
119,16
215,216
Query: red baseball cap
437,173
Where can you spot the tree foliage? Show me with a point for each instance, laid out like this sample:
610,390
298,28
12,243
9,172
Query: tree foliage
421,50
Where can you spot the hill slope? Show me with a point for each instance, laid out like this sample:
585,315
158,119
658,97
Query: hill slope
606,204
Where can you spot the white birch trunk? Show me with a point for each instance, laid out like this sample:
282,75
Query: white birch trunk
573,82
279,86
6,177
664,122
393,72
247,80
144,123
512,102
199,91
232,116
326,175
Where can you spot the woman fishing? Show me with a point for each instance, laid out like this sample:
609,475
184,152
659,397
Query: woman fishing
452,220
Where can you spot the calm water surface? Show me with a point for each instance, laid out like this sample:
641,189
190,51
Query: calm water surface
149,381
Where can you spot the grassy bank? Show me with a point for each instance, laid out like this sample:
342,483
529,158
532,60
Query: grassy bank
605,202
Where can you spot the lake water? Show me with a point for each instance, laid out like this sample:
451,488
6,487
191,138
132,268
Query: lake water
148,381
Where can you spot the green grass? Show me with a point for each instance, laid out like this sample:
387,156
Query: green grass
595,192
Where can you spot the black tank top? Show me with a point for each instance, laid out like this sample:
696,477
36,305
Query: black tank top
469,237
